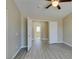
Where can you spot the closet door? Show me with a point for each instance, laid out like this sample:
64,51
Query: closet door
52,32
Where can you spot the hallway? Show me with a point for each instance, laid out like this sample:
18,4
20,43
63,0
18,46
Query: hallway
42,50
27,20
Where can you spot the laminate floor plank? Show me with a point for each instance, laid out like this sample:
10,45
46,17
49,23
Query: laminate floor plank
43,50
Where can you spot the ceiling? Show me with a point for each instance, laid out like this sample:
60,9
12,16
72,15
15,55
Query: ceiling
35,9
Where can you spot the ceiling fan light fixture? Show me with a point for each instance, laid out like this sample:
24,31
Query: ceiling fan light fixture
55,3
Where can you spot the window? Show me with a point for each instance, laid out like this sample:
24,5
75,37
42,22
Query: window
38,29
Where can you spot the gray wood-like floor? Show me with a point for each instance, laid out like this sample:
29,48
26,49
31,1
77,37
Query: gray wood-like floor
42,50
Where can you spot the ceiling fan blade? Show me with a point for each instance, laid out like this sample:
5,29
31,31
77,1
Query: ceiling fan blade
48,0
62,0
48,6
59,7
65,0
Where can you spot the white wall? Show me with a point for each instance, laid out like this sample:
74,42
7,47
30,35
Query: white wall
13,41
24,35
60,31
53,32
44,30
29,30
26,32
67,32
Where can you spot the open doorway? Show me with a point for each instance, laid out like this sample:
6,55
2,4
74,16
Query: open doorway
40,30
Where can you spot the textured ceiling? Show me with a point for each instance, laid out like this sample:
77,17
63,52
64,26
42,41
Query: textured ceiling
35,9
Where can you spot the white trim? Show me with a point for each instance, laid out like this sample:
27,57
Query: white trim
51,42
16,53
29,48
55,42
24,46
67,44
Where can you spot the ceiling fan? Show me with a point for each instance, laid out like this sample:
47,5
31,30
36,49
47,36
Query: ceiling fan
55,3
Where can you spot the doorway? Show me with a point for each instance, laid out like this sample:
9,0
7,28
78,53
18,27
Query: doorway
36,30
40,33
40,30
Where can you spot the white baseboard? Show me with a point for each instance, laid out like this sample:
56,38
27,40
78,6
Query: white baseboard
16,53
67,44
23,46
55,42
50,42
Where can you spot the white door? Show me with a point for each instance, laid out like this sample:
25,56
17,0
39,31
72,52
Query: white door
52,32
